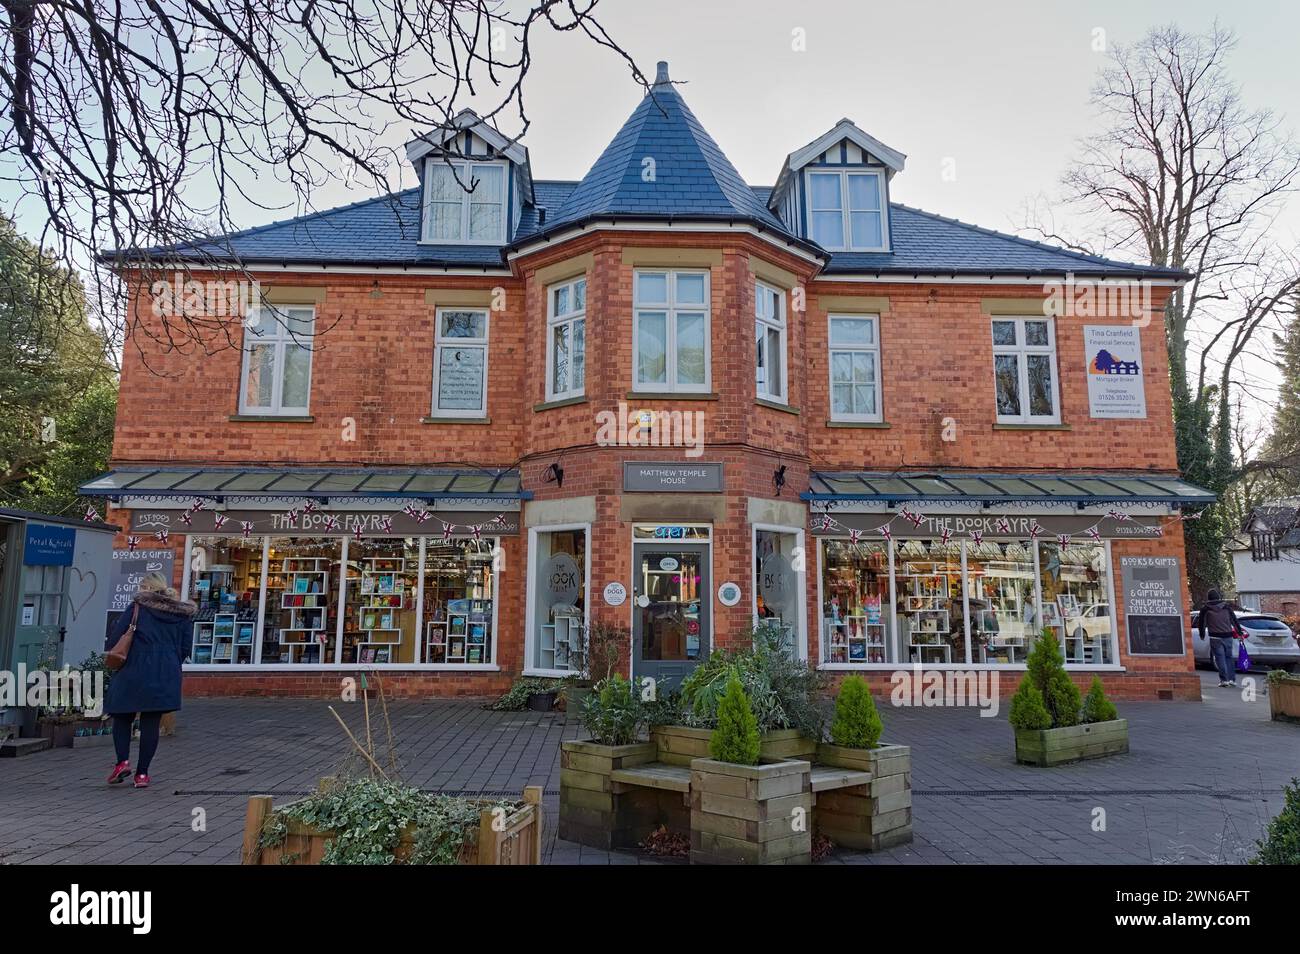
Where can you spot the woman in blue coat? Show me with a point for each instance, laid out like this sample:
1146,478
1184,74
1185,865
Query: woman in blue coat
150,682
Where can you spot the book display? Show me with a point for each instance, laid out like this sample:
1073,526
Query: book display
385,592
853,615
305,602
925,590
856,637
458,591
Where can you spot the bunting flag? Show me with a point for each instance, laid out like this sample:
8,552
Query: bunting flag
855,536
477,531
1063,540
827,522
884,532
309,507
246,528
422,515
185,518
945,536
197,505
219,520
132,543
386,524
977,537
331,523
499,520
357,533
1094,533
1003,525
446,533
1035,531
162,536
292,516
1117,515
91,515
410,511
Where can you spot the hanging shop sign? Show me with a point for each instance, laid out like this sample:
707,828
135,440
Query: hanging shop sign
1115,388
1153,605
128,570
407,522
647,477
1019,526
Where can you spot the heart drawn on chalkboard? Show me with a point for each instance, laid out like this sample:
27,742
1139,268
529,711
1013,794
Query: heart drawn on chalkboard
81,579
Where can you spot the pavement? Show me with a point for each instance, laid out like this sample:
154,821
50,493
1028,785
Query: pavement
1198,786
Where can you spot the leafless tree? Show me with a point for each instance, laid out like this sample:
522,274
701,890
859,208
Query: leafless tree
1181,173
139,124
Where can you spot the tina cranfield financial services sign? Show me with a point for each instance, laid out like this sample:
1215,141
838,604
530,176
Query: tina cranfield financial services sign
1114,354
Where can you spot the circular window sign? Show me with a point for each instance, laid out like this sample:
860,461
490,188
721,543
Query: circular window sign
615,593
729,594
668,563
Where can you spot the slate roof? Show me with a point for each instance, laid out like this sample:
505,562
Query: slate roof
693,180
1282,518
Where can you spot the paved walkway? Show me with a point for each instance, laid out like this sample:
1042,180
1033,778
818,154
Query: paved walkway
1198,786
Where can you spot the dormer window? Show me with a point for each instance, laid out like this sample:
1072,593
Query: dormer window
453,214
846,210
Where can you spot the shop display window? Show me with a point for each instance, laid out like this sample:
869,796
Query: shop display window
855,602
928,602
1000,601
458,594
225,582
1076,600
559,599
778,585
301,600
379,606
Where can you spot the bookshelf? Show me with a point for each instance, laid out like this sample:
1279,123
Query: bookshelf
383,597
858,638
925,598
225,638
559,639
305,598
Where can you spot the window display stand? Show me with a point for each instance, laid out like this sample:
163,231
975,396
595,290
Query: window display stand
306,597
855,639
435,641
559,640
383,594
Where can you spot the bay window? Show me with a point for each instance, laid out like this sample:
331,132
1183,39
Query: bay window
464,202
1024,371
460,363
276,375
670,349
846,210
566,331
769,334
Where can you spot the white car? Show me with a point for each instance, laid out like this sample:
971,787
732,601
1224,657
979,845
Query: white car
1269,642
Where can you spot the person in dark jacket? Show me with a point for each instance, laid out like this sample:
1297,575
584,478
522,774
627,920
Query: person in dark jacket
1218,619
149,685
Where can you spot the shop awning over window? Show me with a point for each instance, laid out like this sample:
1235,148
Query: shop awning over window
344,484
993,489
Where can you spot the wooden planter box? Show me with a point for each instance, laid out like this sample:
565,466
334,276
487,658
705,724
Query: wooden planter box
680,744
60,734
1072,743
872,816
592,813
1284,699
751,814
519,842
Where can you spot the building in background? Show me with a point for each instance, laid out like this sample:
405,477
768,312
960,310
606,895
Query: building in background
1266,559
463,423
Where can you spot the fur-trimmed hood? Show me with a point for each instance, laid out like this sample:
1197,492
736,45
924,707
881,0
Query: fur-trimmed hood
162,603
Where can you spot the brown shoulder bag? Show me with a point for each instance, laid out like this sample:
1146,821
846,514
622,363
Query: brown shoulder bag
115,658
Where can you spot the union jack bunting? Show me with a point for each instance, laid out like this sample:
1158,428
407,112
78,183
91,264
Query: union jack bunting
1003,525
446,532
185,518
1062,540
197,505
132,543
477,530
91,515
1094,533
331,523
292,516
410,511
945,536
309,507
422,515
219,520
977,537
246,528
855,536
162,536
827,522
1035,531
357,533
884,532
1117,515
386,524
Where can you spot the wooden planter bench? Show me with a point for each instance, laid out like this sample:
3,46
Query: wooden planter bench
517,840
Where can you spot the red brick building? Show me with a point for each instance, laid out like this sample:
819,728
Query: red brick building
458,426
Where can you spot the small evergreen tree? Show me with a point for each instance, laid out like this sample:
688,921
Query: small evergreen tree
1096,707
1045,671
1281,842
736,737
1028,711
857,723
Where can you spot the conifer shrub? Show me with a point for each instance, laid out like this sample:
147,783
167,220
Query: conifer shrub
1281,842
1096,707
1045,673
736,737
1028,711
857,723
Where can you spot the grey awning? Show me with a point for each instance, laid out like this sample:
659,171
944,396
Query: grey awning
991,489
232,483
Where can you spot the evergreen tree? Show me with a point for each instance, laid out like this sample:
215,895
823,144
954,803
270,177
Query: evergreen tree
736,737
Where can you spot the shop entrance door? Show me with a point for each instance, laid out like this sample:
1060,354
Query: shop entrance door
671,631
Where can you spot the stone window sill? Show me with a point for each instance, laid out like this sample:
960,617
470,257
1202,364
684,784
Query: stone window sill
873,425
776,406
671,396
275,418
560,402
1032,427
455,420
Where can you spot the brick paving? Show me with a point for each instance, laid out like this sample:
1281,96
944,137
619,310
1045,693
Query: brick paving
1200,783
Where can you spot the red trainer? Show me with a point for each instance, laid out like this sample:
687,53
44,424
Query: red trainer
121,771
141,781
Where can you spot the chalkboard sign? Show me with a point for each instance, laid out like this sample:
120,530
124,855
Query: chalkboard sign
1155,635
1153,605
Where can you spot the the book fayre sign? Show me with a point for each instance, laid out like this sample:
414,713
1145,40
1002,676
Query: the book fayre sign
1114,354
1153,605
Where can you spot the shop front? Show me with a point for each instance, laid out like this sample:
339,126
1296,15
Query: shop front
339,569
968,571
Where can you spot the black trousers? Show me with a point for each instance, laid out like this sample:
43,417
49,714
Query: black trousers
149,725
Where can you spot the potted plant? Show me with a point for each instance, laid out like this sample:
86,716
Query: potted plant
529,692
877,813
591,811
744,812
1053,725
1284,696
784,692
596,661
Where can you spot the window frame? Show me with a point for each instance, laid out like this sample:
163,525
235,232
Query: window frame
463,168
280,338
570,320
800,571
439,342
845,210
875,350
531,595
780,324
1020,350
671,308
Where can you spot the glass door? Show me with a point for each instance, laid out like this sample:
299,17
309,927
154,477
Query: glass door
670,618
